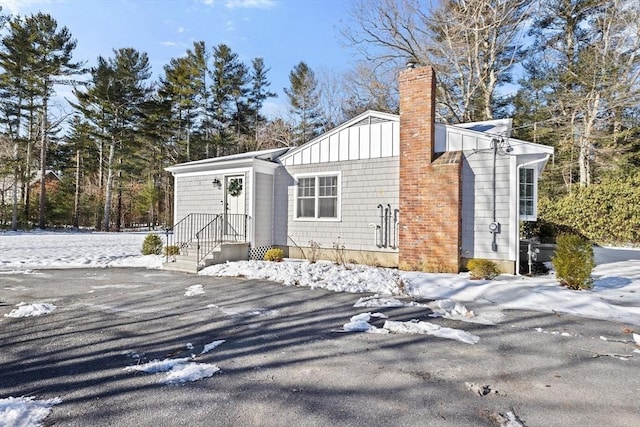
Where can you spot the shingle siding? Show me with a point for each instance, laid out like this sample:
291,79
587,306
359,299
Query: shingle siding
197,194
263,209
364,185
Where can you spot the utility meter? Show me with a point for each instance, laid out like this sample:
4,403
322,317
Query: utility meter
494,227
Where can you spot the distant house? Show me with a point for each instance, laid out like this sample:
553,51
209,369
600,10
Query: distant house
52,180
399,191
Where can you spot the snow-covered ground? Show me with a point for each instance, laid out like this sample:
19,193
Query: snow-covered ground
615,295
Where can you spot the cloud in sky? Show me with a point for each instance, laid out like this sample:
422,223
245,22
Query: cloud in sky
243,4
14,6
246,4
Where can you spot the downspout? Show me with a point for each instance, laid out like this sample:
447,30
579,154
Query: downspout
380,238
493,227
387,239
517,229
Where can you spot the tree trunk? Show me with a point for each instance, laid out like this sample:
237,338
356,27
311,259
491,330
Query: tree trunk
14,213
43,167
108,187
76,201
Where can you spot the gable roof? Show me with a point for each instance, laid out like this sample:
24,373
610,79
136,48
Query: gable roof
372,134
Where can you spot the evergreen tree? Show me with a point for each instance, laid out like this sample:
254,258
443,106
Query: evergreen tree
304,101
259,93
113,104
228,104
36,55
183,85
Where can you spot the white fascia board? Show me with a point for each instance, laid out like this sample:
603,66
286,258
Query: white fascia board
525,147
349,123
197,168
519,147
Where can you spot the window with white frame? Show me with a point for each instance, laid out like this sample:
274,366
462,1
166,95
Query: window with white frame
317,197
527,193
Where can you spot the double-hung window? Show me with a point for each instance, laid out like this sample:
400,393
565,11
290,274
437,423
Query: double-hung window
317,197
527,191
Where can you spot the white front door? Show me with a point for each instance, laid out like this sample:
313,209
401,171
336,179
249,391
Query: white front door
235,201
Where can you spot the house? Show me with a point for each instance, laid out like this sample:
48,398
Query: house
52,180
400,191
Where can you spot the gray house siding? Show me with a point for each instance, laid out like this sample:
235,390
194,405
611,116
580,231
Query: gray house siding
282,182
197,194
263,212
477,205
365,184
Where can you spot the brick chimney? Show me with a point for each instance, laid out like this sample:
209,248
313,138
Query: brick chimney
430,182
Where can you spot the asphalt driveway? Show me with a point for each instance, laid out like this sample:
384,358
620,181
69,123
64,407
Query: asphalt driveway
285,361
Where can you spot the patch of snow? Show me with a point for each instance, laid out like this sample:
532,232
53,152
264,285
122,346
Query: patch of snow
31,310
194,290
48,249
211,346
450,309
510,419
360,323
636,338
562,334
378,301
415,327
326,275
178,370
25,411
190,372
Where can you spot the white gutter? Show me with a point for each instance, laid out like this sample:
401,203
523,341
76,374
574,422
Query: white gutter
517,229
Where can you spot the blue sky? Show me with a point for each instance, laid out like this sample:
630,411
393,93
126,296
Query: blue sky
283,32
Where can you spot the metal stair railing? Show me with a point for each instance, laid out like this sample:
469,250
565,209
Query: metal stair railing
223,228
182,234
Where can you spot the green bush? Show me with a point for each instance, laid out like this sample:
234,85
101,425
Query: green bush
573,261
606,213
483,269
274,254
171,250
152,245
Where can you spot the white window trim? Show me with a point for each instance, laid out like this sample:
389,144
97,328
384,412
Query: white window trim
534,216
339,197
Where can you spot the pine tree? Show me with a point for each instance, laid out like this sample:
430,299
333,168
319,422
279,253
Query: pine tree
304,101
228,104
113,104
259,93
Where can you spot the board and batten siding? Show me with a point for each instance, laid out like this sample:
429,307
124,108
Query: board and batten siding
263,218
477,205
364,184
358,142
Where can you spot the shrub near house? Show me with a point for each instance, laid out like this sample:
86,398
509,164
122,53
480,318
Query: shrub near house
573,262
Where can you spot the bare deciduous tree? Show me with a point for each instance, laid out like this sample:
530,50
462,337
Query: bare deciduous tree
470,43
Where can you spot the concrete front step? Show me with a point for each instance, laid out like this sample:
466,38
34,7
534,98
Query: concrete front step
226,252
